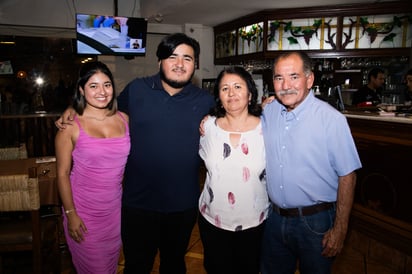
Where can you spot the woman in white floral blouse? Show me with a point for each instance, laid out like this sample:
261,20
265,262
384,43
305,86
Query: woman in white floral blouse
234,203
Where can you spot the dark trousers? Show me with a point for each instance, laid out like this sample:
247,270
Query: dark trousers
229,252
146,232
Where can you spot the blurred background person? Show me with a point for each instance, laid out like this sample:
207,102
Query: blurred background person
371,94
407,94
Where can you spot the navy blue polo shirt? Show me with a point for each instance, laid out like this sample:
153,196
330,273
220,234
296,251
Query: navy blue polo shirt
162,171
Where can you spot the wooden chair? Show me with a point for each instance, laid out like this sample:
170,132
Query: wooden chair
22,227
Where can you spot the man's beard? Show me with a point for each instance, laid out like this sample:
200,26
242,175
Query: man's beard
174,83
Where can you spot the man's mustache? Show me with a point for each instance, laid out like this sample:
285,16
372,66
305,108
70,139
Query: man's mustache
286,92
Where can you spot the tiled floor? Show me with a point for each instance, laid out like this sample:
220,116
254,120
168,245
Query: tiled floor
350,261
194,256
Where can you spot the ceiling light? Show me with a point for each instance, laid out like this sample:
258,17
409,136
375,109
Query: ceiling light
7,42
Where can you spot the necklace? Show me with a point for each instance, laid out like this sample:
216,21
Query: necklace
95,118
236,126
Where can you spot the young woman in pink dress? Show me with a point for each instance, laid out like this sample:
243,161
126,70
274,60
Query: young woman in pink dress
91,156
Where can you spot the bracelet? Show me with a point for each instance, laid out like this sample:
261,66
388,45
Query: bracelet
69,211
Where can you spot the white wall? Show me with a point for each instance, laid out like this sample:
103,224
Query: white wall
56,18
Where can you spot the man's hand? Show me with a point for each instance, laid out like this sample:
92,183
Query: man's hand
65,119
332,242
268,100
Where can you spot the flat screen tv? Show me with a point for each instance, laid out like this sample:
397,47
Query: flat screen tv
110,35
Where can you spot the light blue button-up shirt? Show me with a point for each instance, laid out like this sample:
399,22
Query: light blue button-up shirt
307,149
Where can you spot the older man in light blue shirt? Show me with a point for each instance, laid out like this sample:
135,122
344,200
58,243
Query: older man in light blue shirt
311,164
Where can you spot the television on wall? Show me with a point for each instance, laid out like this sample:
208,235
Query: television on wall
110,35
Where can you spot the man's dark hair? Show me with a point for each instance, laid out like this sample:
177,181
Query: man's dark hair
168,45
307,61
374,73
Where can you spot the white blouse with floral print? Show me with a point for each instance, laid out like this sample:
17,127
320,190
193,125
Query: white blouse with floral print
234,196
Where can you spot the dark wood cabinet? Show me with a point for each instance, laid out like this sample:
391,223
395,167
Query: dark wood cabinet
385,149
336,30
381,219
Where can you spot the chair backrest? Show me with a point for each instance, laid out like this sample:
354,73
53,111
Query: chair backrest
18,193
42,168
11,153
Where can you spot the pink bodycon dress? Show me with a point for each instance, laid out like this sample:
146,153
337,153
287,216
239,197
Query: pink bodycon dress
96,181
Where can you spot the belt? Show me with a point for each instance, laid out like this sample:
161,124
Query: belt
302,211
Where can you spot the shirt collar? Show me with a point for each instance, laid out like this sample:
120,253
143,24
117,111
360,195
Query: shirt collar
299,110
157,83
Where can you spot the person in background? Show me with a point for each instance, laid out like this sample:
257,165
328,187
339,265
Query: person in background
161,185
104,21
311,163
371,93
91,158
234,203
408,90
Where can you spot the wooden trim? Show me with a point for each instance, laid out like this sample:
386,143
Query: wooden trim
239,59
320,11
338,11
389,231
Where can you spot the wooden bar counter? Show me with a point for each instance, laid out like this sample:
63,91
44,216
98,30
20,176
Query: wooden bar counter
381,220
385,148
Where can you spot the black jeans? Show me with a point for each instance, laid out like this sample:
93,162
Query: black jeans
146,232
230,252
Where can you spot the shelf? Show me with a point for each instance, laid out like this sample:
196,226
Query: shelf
348,71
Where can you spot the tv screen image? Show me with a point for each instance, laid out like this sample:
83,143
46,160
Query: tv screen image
110,35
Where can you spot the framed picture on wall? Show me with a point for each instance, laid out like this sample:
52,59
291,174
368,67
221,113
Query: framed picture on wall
209,84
